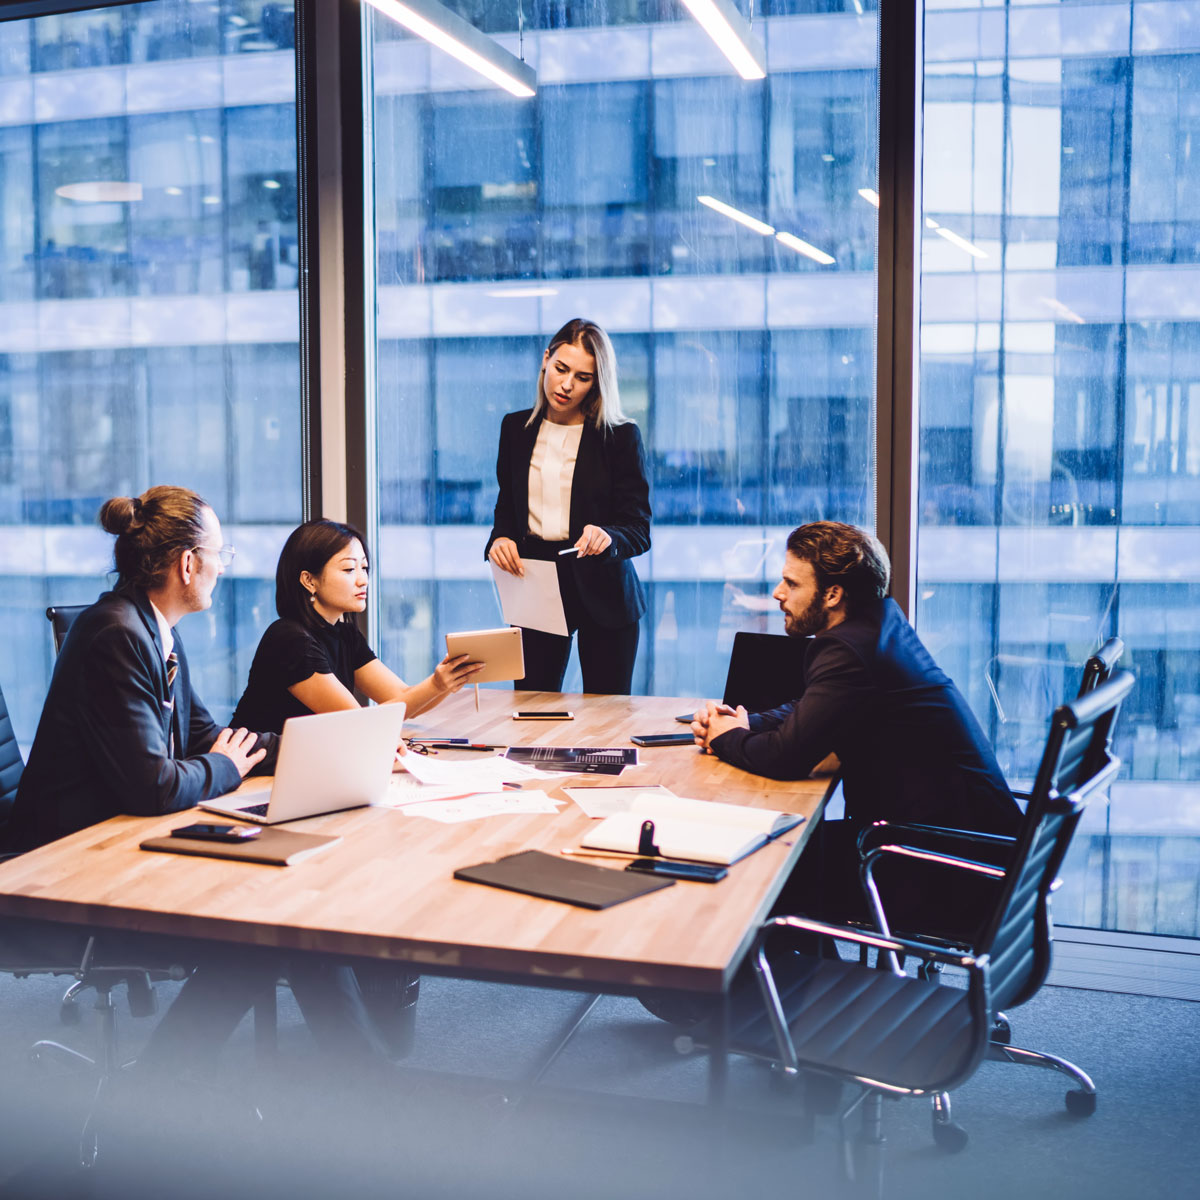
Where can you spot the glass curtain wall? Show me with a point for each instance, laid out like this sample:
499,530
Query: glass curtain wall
1060,406
748,365
148,308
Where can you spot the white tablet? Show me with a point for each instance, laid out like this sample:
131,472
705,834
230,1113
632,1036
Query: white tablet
498,649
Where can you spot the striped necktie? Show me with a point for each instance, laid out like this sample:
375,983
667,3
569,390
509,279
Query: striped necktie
172,671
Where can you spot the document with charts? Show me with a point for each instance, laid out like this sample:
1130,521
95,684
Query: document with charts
696,830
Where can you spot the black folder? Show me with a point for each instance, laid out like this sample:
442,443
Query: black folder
553,878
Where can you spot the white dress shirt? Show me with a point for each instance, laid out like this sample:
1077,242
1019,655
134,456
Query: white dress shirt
551,470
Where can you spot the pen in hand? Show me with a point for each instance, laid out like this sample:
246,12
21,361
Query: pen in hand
569,550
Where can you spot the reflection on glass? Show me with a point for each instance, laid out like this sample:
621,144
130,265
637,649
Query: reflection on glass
123,232
748,365
1060,466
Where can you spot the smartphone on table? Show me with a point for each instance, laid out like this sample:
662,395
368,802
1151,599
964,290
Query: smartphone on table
697,872
205,832
663,739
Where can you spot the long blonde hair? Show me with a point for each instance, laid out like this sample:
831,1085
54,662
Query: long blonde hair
603,406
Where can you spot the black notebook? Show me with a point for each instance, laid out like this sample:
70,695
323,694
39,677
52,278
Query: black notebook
555,878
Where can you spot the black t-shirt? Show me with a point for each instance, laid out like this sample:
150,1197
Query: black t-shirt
289,654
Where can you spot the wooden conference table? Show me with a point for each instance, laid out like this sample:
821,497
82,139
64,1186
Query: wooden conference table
386,891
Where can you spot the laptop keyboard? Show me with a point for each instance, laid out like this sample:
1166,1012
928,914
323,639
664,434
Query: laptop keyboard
255,810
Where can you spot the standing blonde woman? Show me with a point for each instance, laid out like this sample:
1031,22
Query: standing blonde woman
572,475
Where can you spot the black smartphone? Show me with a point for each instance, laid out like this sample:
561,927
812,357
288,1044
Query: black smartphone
663,739
218,833
697,872
531,715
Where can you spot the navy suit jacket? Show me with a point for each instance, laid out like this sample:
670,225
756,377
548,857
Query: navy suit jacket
910,747
609,489
101,746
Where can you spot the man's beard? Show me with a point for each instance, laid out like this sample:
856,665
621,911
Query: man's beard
811,620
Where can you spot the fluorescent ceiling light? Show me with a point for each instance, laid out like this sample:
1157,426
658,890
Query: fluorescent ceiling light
955,239
99,191
449,32
805,248
1068,314
736,214
870,195
732,34
521,293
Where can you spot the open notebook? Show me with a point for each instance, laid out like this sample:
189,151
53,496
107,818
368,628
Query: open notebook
696,830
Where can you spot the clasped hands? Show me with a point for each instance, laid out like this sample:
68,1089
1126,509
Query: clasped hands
593,540
715,719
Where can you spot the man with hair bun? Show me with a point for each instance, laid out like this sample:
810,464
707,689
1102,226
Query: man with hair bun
910,748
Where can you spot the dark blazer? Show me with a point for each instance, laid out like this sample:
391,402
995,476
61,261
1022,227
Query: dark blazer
101,746
910,747
609,489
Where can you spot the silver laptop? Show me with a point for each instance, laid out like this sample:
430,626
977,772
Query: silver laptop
327,762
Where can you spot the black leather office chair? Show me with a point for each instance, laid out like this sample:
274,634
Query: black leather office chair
60,618
90,973
11,764
1101,665
891,1034
763,670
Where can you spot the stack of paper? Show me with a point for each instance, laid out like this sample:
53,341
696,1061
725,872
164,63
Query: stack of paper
453,790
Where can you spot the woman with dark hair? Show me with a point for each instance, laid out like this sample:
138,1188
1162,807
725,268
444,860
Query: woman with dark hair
313,658
573,491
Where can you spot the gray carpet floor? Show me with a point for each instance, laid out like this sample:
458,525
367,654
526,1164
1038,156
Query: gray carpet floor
619,1114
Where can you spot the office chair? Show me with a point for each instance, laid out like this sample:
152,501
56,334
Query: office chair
763,670
61,618
91,972
894,1035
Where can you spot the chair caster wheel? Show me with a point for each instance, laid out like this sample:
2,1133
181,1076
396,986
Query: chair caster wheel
1081,1104
1001,1031
69,1013
950,1137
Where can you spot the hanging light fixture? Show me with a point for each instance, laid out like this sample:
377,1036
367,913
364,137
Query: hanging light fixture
732,34
449,32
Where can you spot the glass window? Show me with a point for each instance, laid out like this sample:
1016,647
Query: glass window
748,364
123,362
1059,453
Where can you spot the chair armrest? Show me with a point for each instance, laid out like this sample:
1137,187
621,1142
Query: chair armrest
862,937
915,853
935,833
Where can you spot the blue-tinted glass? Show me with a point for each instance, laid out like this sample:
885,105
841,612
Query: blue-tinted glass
594,183
1059,453
643,186
139,201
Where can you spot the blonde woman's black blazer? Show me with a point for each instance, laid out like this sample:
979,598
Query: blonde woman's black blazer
609,489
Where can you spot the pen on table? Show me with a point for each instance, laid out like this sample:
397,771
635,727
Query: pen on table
598,853
454,744
569,550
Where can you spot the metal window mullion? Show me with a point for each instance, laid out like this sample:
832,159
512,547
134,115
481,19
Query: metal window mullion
901,87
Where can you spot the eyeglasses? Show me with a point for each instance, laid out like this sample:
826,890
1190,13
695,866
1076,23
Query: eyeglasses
419,747
224,553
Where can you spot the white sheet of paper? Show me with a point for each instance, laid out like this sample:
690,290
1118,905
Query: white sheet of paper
533,600
598,802
485,773
473,808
